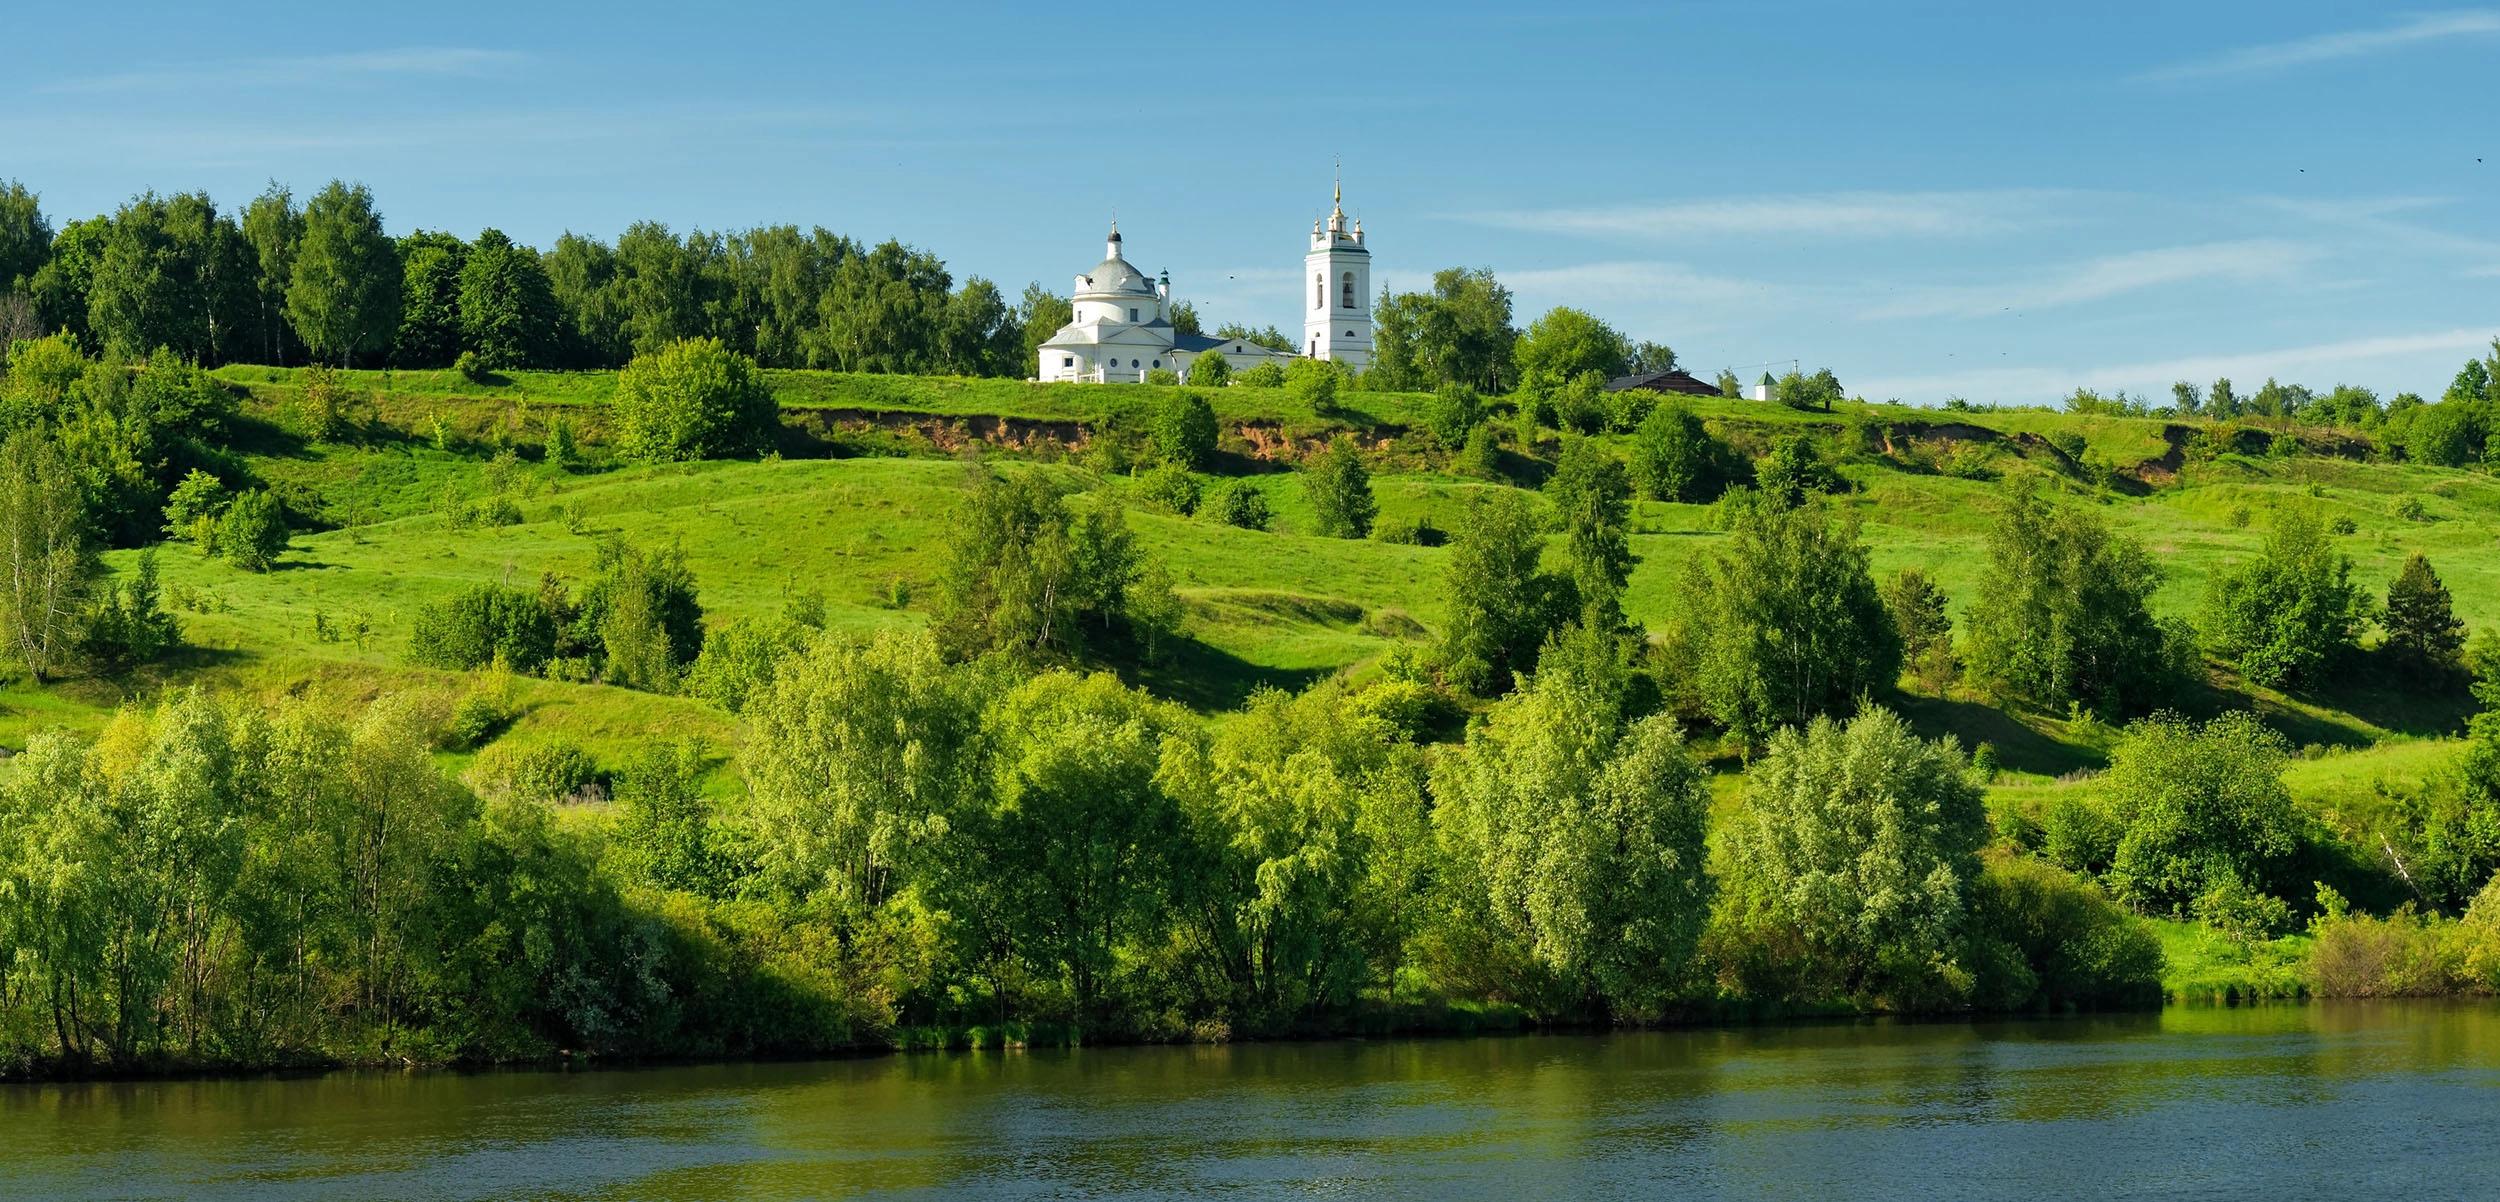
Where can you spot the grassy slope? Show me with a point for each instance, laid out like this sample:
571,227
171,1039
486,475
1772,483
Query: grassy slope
1275,608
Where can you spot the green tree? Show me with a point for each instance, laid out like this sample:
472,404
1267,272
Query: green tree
1236,503
482,625
1314,383
1455,413
1564,345
1592,495
43,549
2061,614
1793,626
859,756
1673,456
61,286
1481,458
1459,332
1854,859
273,227
1042,314
1500,606
128,625
252,534
2288,616
507,305
25,238
1185,432
173,273
1793,470
1578,831
1339,490
645,615
1024,575
1817,391
429,307
1210,369
1074,842
1918,616
694,399
2421,624
2198,809
664,824
343,289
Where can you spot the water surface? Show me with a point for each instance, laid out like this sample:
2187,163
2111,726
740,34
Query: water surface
2331,1100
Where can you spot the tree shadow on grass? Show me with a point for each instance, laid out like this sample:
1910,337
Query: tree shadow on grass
1203,677
2019,747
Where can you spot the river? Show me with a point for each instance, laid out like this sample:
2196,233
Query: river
2385,1100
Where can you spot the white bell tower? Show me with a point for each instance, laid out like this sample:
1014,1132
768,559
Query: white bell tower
1337,292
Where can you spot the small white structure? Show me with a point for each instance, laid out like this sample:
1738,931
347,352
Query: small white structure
1764,387
1122,327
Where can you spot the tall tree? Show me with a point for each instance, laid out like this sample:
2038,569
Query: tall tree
173,273
25,238
43,550
583,274
429,306
343,294
1792,624
1339,489
2421,623
2062,613
507,306
2287,617
273,227
1593,496
1500,605
62,286
1459,332
1042,313
1564,345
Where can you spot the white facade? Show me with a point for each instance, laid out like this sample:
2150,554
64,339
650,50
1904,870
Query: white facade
1122,328
1337,312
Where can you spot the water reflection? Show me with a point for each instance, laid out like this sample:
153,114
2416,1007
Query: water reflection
2333,1099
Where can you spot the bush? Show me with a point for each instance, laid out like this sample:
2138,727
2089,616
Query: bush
1339,489
1456,410
1237,503
2062,614
1482,457
1265,375
1417,531
1185,432
193,509
252,534
2203,818
1673,456
1315,384
471,368
2288,616
550,771
2070,945
693,399
1170,488
1210,370
475,719
480,625
1163,376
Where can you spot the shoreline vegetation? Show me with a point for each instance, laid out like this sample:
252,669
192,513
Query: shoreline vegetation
698,701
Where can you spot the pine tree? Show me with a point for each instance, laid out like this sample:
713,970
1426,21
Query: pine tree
2421,623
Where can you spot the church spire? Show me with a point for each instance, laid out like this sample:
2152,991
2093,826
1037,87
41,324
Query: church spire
1336,214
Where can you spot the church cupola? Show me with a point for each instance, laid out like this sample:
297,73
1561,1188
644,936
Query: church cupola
1111,247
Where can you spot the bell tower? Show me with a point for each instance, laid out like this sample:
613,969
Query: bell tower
1337,291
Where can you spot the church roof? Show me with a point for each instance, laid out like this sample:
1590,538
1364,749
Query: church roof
1669,380
1114,277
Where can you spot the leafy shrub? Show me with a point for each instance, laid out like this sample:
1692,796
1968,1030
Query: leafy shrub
2202,817
1210,370
193,509
127,625
1455,412
553,770
2070,945
470,367
1315,384
1170,488
692,399
1482,456
1163,376
480,625
1416,531
476,718
1237,503
1793,470
1970,461
1339,489
1265,375
2287,616
744,657
1185,432
1673,456
252,534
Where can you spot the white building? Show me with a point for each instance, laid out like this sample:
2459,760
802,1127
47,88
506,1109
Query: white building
1122,328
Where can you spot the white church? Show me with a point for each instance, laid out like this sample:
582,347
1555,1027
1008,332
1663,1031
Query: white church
1123,330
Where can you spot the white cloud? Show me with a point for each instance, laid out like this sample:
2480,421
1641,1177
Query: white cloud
2330,47
2316,364
303,70
1843,215
2108,276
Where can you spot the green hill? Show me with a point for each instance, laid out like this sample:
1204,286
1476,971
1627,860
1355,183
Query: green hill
864,522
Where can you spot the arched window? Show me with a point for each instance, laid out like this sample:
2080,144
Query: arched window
1319,292
1349,290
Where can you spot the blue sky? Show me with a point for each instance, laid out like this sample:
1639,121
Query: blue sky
1997,202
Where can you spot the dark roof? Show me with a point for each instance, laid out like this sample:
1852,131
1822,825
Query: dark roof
1670,380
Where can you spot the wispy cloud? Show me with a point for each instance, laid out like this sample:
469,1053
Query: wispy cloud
1837,215
2331,47
2317,364
1637,282
303,70
2108,276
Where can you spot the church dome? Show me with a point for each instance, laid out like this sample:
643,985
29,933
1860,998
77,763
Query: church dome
1114,277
